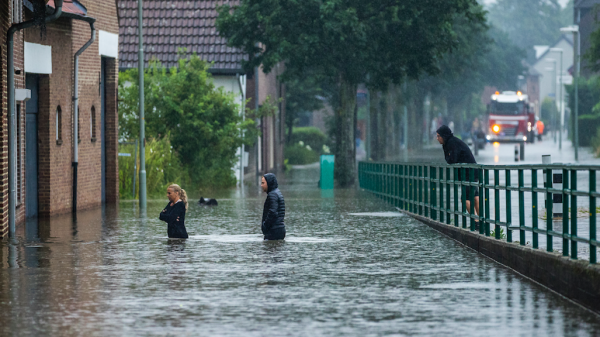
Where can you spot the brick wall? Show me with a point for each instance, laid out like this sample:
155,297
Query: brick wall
65,36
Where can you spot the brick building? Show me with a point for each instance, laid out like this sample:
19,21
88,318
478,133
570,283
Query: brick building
44,65
190,25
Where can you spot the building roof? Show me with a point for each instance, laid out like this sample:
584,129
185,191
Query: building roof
173,25
585,3
567,38
71,6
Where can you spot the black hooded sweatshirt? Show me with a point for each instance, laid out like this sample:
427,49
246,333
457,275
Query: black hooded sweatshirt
274,208
455,150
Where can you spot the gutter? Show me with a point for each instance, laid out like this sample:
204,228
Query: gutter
12,126
75,162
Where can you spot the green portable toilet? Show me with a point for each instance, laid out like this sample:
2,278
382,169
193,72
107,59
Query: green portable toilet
327,162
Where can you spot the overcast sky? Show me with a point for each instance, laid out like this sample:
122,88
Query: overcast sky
562,2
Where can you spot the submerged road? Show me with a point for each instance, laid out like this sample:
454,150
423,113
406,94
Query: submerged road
348,267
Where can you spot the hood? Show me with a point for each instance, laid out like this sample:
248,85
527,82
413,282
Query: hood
445,133
271,181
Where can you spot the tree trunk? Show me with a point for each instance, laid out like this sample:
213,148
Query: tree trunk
374,130
345,144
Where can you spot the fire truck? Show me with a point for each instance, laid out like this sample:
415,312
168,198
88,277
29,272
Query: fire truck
511,119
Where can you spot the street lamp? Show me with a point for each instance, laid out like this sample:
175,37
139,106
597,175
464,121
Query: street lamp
574,29
552,118
562,112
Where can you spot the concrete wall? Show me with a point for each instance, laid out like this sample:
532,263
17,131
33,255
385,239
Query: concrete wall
575,279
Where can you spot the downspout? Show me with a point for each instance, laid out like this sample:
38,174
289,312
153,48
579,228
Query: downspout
243,92
76,102
12,126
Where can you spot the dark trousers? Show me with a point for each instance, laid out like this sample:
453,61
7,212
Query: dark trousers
275,234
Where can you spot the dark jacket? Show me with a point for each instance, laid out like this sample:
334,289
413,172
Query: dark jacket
174,216
274,208
455,150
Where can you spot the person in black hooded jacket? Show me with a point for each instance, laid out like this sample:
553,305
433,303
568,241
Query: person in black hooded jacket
457,152
273,226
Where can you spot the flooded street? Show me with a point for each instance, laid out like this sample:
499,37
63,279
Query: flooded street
338,273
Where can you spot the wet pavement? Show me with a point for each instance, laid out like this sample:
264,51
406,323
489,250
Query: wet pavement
349,266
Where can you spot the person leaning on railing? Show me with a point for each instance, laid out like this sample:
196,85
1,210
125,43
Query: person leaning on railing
457,152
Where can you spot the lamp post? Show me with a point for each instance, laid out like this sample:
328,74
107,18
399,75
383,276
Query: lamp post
574,29
141,94
552,118
562,112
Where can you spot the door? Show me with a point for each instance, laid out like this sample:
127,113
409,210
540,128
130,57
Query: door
31,147
103,127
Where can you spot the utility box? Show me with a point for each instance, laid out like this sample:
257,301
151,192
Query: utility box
327,164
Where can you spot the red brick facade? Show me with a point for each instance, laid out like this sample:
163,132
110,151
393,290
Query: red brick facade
65,36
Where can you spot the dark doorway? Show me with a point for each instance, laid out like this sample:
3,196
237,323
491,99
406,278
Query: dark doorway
103,127
31,146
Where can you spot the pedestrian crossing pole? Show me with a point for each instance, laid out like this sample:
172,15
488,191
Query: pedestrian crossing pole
141,98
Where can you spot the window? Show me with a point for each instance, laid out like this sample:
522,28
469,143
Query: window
58,126
93,124
17,11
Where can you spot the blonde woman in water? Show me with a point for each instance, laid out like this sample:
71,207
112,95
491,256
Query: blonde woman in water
174,213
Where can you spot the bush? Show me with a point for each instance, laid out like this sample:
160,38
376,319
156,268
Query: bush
297,154
310,136
163,168
596,143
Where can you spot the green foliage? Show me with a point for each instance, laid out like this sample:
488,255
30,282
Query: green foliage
502,235
297,154
203,121
310,136
346,42
549,111
596,143
163,168
532,22
301,97
589,108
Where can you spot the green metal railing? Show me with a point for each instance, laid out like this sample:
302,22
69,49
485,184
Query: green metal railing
432,191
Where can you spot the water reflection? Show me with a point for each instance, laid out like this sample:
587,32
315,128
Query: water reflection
113,271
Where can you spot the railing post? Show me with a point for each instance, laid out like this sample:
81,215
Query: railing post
508,208
534,208
482,213
521,208
497,204
487,218
433,185
573,214
420,188
592,215
471,179
455,178
441,193
448,199
549,211
463,195
426,185
565,199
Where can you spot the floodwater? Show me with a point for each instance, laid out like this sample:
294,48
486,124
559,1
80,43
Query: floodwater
349,266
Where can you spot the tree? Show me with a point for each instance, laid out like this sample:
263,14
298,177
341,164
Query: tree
302,95
347,41
202,121
532,22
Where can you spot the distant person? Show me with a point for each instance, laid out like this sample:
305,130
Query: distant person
174,213
540,128
273,226
457,152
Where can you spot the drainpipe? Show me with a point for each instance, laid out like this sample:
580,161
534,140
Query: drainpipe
76,101
12,125
242,149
